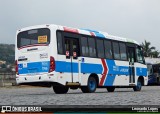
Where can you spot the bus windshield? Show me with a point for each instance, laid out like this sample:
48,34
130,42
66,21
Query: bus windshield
34,36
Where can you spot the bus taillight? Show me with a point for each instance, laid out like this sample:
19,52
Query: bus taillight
16,66
52,64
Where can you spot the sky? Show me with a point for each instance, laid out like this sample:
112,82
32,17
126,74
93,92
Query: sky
134,19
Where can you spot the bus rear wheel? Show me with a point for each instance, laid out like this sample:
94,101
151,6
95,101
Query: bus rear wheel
110,89
60,89
138,86
91,86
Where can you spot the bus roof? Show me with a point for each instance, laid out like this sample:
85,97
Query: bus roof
90,32
96,33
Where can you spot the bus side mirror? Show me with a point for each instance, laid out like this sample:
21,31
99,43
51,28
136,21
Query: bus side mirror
67,55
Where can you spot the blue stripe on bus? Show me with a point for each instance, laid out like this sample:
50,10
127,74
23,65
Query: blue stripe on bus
91,68
141,71
95,32
34,67
114,70
110,75
90,30
99,35
62,66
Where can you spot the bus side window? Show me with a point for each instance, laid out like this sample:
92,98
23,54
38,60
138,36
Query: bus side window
67,45
59,43
75,47
84,46
123,51
108,49
92,47
100,48
116,50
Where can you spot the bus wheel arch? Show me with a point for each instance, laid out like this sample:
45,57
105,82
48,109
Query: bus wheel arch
141,78
140,83
92,84
96,78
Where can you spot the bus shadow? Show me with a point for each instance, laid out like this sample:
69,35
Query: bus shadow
101,92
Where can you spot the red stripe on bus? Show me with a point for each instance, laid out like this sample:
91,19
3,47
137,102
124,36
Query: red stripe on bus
92,34
104,72
70,30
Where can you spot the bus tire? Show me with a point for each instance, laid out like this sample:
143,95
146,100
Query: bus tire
91,86
110,89
60,89
138,86
158,81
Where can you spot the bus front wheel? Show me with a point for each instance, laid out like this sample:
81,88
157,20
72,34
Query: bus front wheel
60,89
91,86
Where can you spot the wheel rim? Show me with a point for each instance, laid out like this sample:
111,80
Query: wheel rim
139,85
92,85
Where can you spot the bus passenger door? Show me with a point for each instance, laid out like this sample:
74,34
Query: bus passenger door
131,58
72,53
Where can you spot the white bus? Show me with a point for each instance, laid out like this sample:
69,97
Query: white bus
64,57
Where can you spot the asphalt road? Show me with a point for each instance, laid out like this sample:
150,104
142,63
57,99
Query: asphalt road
149,95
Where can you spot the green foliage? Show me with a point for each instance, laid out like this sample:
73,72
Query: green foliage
7,53
149,51
3,65
155,54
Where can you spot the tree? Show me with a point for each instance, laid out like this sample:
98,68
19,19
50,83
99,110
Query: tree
3,65
7,53
155,54
147,49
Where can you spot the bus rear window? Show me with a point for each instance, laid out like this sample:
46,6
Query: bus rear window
35,36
